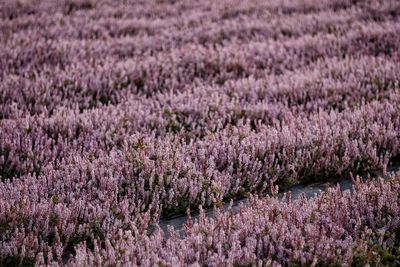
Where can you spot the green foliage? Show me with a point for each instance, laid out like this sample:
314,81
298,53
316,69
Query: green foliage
11,261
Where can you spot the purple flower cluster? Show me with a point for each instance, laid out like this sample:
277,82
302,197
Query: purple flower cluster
334,228
113,114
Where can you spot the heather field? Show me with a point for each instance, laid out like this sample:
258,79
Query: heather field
115,115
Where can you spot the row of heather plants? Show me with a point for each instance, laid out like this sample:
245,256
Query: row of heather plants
336,228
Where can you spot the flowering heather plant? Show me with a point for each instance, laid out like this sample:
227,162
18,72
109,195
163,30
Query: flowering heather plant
335,228
116,114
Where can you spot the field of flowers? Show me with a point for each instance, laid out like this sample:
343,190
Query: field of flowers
114,114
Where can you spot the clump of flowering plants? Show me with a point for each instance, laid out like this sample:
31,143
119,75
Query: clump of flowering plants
116,114
340,228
